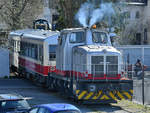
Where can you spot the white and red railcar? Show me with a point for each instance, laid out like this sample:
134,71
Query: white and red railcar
34,51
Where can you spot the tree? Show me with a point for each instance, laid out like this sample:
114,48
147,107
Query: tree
67,10
19,14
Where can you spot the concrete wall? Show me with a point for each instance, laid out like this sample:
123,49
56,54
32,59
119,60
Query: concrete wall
4,62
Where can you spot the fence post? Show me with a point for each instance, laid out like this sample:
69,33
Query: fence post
143,84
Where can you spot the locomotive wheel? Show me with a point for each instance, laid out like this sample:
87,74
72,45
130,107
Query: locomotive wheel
66,87
47,82
60,85
51,84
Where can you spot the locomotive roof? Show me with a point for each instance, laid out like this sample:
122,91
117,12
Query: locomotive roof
79,29
96,48
35,33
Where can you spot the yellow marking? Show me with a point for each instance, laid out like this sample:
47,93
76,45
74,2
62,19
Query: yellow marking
77,92
82,94
131,91
89,95
127,94
120,95
104,97
112,96
96,96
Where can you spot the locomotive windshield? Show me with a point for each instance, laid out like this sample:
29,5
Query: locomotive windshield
100,37
77,37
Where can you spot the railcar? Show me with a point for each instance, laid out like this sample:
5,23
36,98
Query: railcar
36,51
80,62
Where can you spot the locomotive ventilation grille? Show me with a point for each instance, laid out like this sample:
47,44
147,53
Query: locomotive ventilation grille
98,66
111,66
101,67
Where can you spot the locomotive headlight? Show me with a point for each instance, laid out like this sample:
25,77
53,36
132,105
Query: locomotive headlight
92,88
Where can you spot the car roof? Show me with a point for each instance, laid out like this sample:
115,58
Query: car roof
58,107
9,97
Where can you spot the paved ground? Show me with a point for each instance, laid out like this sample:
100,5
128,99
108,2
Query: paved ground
41,95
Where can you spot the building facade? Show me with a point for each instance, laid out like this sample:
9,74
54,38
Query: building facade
137,29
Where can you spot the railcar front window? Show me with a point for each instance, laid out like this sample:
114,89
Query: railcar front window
77,37
52,52
100,37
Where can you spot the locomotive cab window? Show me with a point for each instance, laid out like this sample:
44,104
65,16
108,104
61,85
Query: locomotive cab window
77,37
100,37
52,52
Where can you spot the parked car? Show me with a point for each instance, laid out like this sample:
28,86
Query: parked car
54,108
13,103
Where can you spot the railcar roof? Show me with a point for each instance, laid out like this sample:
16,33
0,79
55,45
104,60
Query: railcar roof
35,33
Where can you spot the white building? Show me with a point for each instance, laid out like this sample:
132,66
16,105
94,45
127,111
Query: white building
138,22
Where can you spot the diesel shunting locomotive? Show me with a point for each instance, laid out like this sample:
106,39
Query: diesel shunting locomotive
80,62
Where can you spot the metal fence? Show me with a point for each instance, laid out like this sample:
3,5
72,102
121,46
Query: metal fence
133,52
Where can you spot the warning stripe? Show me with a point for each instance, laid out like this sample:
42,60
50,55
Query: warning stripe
104,97
120,95
89,95
112,95
127,95
131,91
77,92
82,94
97,95
115,95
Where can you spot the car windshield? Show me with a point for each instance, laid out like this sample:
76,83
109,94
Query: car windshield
68,111
19,104
100,37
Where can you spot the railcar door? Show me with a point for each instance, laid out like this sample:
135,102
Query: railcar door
14,54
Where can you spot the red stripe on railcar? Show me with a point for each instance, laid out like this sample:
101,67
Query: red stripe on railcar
44,70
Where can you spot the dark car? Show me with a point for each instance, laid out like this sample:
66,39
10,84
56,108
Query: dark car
13,103
54,108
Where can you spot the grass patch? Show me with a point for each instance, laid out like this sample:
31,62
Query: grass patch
131,106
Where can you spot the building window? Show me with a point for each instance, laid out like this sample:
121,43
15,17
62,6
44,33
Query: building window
137,14
145,36
127,14
138,39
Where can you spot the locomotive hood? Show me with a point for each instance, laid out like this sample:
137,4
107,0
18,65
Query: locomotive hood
90,49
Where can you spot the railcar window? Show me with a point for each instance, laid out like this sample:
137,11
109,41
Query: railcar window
40,52
77,37
100,37
29,50
12,45
52,52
